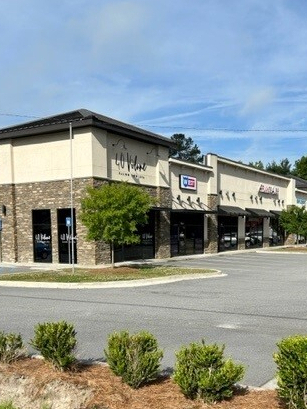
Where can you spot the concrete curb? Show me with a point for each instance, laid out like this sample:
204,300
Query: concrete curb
113,284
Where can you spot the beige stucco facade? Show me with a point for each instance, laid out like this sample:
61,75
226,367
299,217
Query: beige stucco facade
46,167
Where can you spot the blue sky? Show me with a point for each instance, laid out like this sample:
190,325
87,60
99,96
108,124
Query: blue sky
232,74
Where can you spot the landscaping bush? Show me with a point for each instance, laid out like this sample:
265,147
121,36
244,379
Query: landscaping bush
7,405
291,360
56,342
201,371
136,358
11,347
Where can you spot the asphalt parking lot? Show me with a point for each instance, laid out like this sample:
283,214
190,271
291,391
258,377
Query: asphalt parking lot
260,300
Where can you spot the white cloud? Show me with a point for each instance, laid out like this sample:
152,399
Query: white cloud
193,65
258,101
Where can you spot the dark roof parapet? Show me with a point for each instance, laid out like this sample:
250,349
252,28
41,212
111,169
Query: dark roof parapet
81,118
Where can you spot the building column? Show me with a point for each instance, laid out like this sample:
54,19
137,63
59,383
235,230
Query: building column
211,243
266,232
241,233
162,234
290,239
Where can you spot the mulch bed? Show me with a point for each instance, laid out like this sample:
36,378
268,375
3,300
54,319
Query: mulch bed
109,392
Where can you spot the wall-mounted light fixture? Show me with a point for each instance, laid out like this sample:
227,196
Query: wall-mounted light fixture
123,146
278,201
256,198
260,198
233,194
152,150
3,208
198,200
189,199
178,198
282,202
220,192
251,197
148,153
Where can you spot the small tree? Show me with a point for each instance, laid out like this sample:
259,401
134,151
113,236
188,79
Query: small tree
294,221
113,212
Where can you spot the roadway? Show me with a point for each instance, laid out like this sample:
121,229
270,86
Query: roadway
261,299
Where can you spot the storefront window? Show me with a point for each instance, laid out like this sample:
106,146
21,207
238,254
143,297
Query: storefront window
65,236
145,249
276,233
42,248
228,233
254,232
187,233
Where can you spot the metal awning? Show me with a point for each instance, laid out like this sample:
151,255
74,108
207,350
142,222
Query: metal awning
277,213
203,211
259,213
232,211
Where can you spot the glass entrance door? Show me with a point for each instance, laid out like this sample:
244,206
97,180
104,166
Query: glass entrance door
65,236
42,249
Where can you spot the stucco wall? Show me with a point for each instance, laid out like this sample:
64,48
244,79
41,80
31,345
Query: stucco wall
240,187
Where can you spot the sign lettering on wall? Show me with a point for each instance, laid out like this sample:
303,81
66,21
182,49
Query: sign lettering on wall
271,190
129,165
187,182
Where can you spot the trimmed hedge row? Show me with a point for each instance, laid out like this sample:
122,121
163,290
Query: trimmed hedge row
201,371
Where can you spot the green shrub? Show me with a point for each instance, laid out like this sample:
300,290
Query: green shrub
56,341
201,371
11,347
291,361
7,405
136,358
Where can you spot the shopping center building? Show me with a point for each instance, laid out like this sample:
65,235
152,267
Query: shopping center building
47,164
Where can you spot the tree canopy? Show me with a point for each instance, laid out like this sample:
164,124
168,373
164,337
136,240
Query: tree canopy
258,164
294,221
284,167
281,168
185,149
113,212
300,168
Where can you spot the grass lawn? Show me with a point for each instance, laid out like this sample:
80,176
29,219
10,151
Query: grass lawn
291,249
86,275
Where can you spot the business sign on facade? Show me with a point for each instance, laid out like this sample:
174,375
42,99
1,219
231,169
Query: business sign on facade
187,182
271,190
300,201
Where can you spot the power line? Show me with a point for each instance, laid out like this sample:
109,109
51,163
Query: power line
181,127
20,116
224,129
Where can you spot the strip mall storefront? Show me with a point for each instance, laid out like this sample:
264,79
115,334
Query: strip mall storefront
250,202
47,166
190,208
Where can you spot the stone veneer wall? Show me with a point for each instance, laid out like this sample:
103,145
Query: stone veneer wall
290,240
163,223
20,200
51,195
266,242
211,244
8,242
241,244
